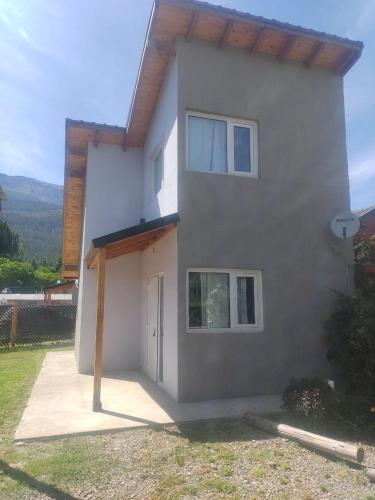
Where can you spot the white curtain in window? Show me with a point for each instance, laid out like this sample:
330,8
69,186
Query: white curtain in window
207,144
215,300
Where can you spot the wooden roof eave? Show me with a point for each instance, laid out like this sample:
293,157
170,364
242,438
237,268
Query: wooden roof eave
149,26
135,238
346,51
261,22
77,136
125,247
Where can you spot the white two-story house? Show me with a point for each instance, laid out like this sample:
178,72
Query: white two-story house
200,231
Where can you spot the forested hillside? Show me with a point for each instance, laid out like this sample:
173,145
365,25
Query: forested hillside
34,210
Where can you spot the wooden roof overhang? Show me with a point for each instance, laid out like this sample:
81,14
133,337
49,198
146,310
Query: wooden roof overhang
77,136
132,239
225,27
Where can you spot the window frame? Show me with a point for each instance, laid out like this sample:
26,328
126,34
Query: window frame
160,150
231,122
234,325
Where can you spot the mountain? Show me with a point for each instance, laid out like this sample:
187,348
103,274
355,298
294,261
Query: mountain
34,210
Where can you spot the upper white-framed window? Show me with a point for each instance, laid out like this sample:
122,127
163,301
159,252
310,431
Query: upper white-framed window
158,171
221,144
224,300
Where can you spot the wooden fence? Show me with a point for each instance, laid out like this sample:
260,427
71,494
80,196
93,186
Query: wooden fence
32,324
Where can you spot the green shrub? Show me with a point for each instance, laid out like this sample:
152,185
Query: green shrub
351,328
351,349
351,337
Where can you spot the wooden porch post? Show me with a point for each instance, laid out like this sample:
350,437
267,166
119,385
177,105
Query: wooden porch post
96,403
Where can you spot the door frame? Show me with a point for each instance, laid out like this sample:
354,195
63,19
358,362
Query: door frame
159,334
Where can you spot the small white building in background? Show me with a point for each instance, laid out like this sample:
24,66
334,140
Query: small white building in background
34,298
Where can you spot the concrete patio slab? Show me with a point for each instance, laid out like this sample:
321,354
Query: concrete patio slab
61,400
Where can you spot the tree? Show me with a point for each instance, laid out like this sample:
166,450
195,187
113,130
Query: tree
44,276
9,241
15,274
2,198
18,275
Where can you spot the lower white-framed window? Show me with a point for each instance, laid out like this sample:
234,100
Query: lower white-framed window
224,300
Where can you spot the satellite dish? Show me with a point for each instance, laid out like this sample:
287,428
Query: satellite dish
345,225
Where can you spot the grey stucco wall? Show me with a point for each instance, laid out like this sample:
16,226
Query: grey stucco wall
278,223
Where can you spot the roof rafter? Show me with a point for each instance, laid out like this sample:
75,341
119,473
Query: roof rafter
315,53
289,44
226,33
77,150
254,47
194,20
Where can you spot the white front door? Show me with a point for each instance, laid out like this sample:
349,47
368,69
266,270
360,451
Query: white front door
153,327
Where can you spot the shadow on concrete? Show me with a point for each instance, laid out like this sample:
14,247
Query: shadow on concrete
127,417
22,477
153,390
185,414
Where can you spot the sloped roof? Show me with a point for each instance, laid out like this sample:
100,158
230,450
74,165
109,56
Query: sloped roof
131,239
364,211
193,19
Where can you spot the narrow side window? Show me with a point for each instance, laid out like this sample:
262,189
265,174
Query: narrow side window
242,148
245,300
158,172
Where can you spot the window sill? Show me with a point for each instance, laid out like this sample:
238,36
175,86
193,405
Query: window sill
228,174
253,329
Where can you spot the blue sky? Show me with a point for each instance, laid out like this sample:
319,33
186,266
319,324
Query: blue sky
79,58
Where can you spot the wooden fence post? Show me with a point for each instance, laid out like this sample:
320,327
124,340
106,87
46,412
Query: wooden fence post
13,331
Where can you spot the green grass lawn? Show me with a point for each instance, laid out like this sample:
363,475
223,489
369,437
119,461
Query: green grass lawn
216,459
18,370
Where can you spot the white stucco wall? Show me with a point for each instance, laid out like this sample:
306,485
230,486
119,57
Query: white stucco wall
113,190
113,202
162,258
119,191
162,133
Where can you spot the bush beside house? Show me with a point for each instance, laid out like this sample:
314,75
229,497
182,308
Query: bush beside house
351,349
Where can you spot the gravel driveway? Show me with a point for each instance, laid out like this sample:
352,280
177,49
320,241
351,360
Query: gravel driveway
220,459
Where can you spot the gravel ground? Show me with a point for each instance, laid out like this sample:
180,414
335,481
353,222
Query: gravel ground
208,460
222,459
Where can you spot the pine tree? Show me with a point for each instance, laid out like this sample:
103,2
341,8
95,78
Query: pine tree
9,241
2,199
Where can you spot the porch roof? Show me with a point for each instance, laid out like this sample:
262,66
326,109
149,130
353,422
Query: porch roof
130,239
